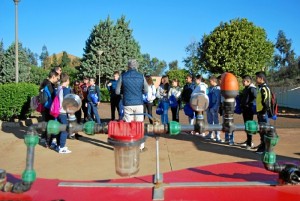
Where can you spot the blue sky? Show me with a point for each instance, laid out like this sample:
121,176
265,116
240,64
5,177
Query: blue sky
163,28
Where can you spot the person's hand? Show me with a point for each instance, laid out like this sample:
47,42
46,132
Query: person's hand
86,104
98,103
109,84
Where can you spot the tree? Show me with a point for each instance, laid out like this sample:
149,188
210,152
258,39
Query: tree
65,60
118,46
173,65
44,57
192,61
8,73
54,61
31,57
239,47
285,68
178,74
152,66
37,75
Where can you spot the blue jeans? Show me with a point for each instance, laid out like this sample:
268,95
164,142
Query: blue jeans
164,116
213,118
63,119
93,113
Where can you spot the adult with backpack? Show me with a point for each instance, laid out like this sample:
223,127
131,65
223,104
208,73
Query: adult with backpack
46,95
93,101
263,100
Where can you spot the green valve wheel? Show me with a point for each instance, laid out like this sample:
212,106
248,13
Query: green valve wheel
89,128
53,127
269,157
251,127
273,140
174,128
29,176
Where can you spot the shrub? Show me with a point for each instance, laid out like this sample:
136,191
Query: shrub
15,100
105,96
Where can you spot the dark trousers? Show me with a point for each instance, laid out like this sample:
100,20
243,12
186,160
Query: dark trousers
114,104
247,116
84,110
47,117
148,110
78,116
175,113
262,118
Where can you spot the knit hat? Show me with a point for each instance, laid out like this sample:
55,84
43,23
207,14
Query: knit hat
132,63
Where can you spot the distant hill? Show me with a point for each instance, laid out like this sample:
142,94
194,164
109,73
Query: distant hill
75,61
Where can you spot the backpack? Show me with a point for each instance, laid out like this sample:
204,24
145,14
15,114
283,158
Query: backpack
55,106
273,109
44,97
94,98
173,102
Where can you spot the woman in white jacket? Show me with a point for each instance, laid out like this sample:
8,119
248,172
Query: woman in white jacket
149,97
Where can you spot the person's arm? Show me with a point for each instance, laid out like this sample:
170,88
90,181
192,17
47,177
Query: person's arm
145,86
98,93
119,85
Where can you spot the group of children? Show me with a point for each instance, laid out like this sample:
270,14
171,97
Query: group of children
58,84
253,100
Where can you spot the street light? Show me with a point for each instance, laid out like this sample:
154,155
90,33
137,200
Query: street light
16,40
99,52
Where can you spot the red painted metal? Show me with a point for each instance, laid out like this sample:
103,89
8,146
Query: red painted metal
47,189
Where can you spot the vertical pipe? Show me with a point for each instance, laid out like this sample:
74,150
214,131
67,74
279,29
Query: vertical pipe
157,159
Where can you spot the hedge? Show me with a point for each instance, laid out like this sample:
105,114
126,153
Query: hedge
15,100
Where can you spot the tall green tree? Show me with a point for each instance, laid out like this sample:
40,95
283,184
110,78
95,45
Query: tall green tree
8,72
192,61
152,66
44,57
173,65
54,61
116,42
65,60
286,64
238,46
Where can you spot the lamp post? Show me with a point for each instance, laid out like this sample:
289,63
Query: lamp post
16,41
99,52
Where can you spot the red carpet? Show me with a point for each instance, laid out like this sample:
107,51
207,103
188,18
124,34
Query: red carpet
215,181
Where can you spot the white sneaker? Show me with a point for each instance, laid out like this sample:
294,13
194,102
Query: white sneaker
64,150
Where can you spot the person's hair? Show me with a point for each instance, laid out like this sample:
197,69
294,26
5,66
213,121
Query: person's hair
261,75
166,78
189,75
149,80
247,77
52,73
213,78
176,80
219,77
56,68
199,77
92,78
116,72
133,64
64,77
76,82
86,78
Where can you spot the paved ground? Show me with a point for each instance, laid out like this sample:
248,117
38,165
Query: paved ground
92,158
